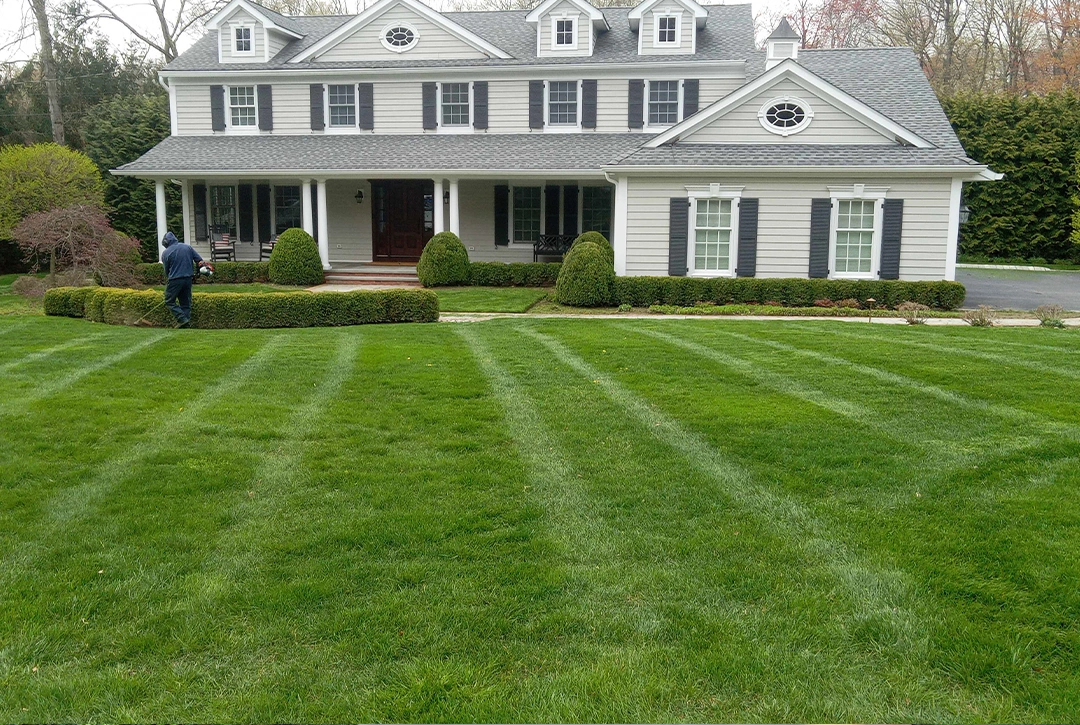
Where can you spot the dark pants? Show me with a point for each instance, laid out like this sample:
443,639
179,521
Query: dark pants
178,298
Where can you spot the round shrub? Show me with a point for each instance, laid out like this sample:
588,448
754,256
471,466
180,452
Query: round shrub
587,277
598,239
444,261
295,260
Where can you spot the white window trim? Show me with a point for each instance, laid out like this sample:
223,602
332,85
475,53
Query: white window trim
863,192
550,127
785,132
439,127
233,27
510,212
327,128
555,18
645,110
395,48
656,28
713,191
229,127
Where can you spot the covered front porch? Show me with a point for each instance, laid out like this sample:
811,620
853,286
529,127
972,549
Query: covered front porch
367,220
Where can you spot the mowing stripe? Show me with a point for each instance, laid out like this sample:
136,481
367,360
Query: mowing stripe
13,328
279,471
979,354
42,354
875,593
51,386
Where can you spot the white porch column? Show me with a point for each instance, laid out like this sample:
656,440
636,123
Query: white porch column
455,220
306,214
324,234
185,200
439,226
618,224
952,240
162,220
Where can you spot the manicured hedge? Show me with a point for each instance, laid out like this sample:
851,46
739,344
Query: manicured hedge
793,292
598,239
224,273
444,261
515,274
295,259
242,309
587,277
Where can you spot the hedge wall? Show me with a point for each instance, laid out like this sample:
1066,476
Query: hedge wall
1034,141
224,273
515,274
241,309
794,292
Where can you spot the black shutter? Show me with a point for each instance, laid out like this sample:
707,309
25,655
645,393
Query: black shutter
892,227
262,211
428,102
820,227
266,107
313,190
551,209
217,108
536,104
635,108
480,105
746,263
365,106
689,98
678,235
502,215
570,206
243,212
198,196
588,104
317,122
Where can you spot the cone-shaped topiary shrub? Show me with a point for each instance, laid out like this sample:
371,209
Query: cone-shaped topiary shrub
295,259
598,239
444,261
587,277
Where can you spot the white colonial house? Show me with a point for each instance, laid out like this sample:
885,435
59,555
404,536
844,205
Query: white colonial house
662,126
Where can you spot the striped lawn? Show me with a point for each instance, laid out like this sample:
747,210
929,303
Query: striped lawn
539,520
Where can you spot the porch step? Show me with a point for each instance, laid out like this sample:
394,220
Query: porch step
403,276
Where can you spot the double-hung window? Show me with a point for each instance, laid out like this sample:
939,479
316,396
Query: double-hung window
242,106
596,209
341,103
223,210
667,29
242,41
856,228
286,208
562,103
455,104
564,33
526,214
714,224
663,103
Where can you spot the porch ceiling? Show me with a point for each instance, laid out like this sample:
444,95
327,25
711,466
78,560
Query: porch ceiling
386,155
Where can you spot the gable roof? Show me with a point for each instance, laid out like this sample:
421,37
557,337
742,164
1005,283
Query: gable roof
376,10
790,69
701,14
269,18
593,13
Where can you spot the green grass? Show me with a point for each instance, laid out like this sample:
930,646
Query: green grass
588,519
489,299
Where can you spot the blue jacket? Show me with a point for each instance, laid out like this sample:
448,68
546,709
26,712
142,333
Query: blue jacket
179,259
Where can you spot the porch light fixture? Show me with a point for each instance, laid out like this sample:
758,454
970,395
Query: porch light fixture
359,196
965,213
446,197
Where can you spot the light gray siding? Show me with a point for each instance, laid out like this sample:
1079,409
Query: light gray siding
508,106
349,223
583,27
398,107
277,41
225,37
193,109
292,113
647,35
477,200
711,90
366,42
829,125
784,222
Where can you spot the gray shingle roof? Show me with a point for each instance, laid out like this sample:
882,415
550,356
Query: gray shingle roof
784,31
690,154
728,35
432,152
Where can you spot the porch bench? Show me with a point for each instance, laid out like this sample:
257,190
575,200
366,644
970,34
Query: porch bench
552,245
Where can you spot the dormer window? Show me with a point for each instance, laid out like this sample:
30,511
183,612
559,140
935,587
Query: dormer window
243,44
564,33
667,27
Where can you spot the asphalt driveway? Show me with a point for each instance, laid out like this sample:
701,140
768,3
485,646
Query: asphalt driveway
1014,289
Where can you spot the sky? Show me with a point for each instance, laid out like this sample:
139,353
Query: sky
14,13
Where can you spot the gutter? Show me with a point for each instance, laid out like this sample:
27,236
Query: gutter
968,173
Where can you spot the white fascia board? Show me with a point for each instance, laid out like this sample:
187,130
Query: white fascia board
965,173
214,23
790,69
594,14
369,173
700,13
376,10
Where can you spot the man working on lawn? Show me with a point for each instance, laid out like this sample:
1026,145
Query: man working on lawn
179,261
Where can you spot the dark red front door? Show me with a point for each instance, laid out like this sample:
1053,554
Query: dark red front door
402,219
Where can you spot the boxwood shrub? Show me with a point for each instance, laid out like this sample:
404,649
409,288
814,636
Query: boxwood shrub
295,259
243,309
788,292
514,274
224,273
444,261
587,277
598,239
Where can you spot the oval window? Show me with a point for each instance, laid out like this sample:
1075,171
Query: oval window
399,37
785,116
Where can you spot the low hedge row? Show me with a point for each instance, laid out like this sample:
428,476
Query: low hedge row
514,274
793,292
222,310
766,310
224,273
